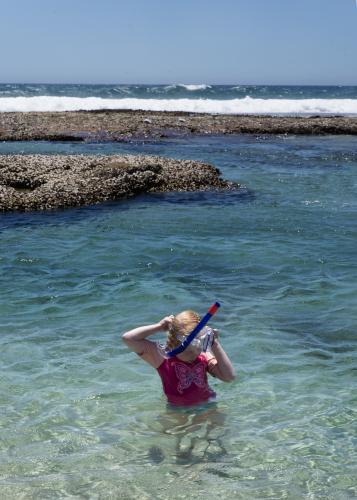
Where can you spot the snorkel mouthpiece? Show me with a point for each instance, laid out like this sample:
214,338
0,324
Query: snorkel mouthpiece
211,311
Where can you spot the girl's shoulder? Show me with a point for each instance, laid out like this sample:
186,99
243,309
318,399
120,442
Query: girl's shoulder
152,353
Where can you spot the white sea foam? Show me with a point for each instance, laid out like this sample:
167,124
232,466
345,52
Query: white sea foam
247,105
189,87
202,86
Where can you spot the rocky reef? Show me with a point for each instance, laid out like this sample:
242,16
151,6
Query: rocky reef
44,182
117,125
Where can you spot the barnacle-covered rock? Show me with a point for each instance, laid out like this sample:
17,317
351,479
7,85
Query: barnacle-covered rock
44,182
120,125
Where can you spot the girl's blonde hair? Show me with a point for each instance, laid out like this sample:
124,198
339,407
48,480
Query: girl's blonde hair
182,325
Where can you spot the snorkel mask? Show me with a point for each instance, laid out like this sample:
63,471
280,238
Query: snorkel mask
205,339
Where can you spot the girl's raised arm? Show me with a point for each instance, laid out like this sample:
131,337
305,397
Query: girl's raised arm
223,368
136,340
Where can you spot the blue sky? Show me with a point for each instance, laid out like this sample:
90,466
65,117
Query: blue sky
186,41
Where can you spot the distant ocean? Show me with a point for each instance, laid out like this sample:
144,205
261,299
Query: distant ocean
201,98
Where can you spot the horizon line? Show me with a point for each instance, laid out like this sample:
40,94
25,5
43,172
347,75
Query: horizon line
172,83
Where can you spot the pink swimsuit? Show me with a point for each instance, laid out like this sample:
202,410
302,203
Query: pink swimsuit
185,383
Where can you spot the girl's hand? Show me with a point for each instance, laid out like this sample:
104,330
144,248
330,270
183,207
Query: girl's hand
215,335
166,322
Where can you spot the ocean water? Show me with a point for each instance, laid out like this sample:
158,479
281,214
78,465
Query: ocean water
229,99
82,417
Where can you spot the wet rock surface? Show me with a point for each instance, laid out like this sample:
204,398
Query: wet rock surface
44,182
116,125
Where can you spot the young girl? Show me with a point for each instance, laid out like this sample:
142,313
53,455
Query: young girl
184,376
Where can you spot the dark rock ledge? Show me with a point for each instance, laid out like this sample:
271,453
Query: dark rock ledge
117,125
44,182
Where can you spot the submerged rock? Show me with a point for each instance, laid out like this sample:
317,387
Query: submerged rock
44,182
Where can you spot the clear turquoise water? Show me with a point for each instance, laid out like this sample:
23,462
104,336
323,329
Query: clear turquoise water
81,417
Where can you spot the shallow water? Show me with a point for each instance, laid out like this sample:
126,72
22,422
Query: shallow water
81,417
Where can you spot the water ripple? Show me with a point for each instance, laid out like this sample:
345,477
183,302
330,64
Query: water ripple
80,413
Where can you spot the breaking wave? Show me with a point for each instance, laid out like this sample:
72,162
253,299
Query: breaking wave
246,105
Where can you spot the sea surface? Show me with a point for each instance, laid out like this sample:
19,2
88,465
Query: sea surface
82,417
202,97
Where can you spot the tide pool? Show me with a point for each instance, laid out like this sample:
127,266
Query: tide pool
82,417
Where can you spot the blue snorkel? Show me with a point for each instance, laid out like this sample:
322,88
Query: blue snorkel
211,311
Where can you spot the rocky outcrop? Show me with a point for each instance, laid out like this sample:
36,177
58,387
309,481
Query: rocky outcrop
44,182
116,125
